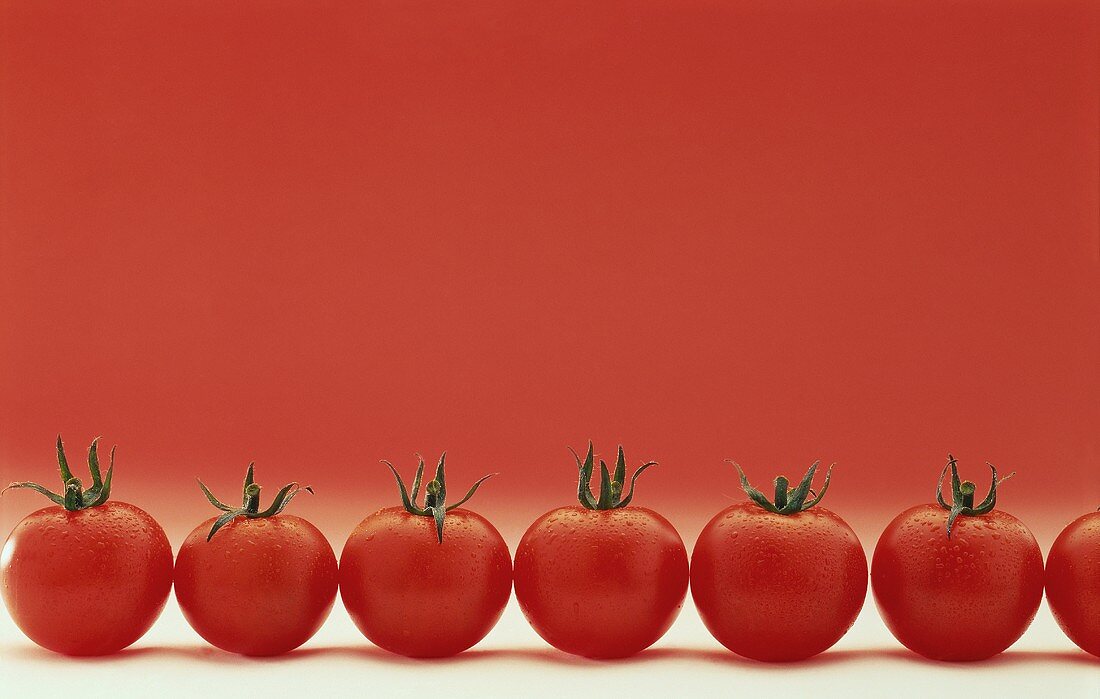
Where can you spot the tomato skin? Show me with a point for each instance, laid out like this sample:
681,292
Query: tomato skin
260,586
601,583
775,587
964,598
1073,581
86,582
414,596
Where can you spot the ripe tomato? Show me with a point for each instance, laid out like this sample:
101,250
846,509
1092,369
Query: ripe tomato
87,576
256,582
958,581
1073,581
778,581
421,590
601,579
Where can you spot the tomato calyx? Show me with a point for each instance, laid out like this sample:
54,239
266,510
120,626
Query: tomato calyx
250,503
611,485
74,497
788,501
962,494
435,493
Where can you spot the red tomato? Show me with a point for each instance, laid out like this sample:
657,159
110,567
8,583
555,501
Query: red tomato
256,583
417,588
601,579
958,581
778,581
1073,581
88,576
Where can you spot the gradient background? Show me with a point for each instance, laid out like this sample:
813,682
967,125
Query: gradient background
321,234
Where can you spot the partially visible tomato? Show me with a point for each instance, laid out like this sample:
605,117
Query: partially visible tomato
87,576
256,582
778,581
957,581
601,579
425,582
1073,581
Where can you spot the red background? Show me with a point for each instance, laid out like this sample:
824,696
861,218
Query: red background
317,234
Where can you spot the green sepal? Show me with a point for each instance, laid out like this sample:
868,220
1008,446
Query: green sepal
409,504
222,521
42,490
73,497
611,486
93,464
281,500
213,500
101,489
470,493
962,494
435,495
62,462
439,513
584,483
250,499
418,479
606,494
788,501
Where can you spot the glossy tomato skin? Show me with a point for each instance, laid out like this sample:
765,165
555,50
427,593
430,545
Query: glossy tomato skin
775,587
87,582
601,583
964,598
414,596
260,586
1073,581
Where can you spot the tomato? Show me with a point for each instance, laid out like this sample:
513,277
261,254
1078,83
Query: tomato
87,576
601,579
958,581
256,582
417,588
1073,581
778,581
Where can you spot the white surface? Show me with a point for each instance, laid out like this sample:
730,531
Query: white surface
171,661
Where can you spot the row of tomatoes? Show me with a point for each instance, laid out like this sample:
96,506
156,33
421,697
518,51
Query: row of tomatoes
774,579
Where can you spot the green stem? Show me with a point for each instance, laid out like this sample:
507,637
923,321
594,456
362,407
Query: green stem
74,494
252,498
967,489
782,486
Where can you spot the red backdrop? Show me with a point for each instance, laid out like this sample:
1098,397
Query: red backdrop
318,234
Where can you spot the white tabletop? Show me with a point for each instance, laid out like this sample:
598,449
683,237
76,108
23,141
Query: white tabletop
512,661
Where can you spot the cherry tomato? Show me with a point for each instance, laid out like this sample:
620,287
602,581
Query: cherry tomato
256,582
87,576
778,581
957,581
601,579
1073,581
417,588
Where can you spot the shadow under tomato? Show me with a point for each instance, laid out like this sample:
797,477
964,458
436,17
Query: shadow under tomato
1006,659
474,655
551,655
829,657
370,653
201,653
